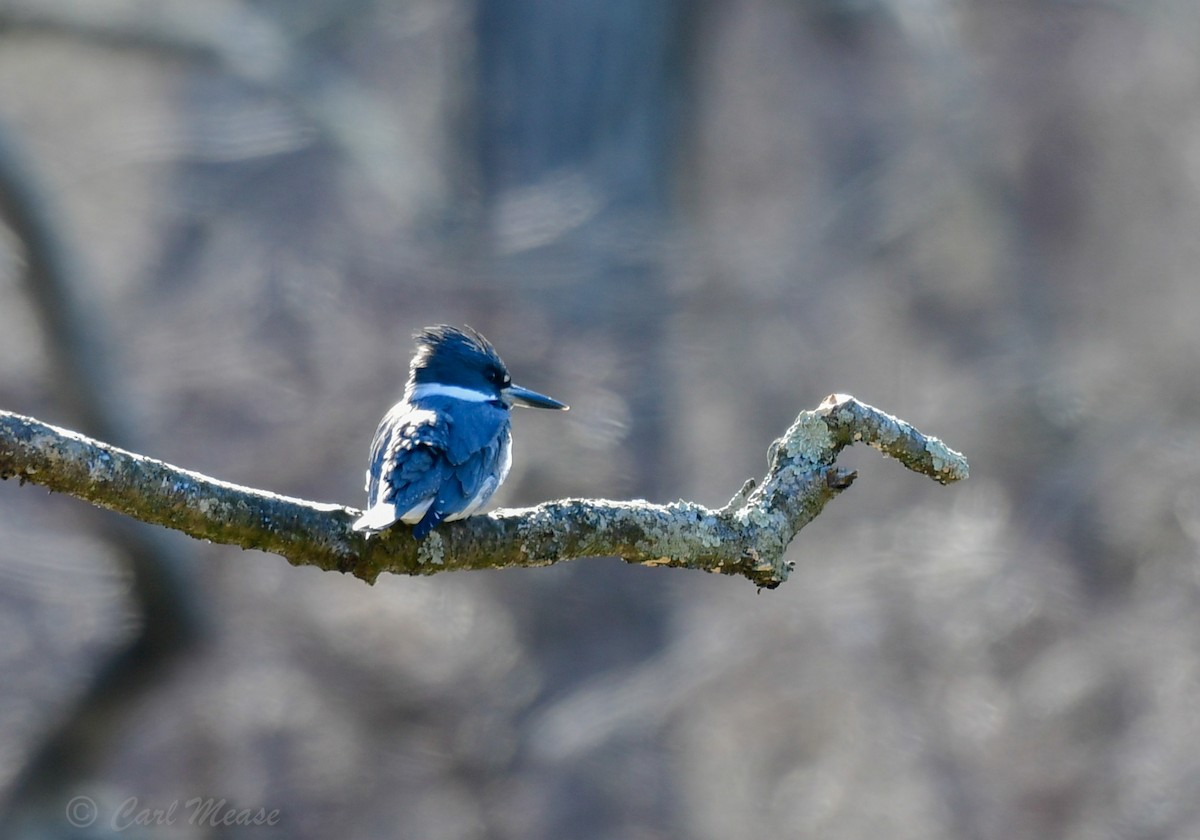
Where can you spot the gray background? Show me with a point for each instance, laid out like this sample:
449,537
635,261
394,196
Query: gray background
689,221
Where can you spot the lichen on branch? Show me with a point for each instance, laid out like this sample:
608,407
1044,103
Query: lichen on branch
747,537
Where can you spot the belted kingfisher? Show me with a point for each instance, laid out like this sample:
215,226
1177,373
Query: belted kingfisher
440,453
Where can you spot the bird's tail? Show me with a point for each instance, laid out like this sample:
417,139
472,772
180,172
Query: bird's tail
378,518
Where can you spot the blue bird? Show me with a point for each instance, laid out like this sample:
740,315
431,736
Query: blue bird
440,453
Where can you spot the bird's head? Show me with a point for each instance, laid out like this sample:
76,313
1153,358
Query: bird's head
462,363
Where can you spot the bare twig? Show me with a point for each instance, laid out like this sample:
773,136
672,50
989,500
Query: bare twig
747,537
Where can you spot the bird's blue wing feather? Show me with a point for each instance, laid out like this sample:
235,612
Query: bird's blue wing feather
465,488
434,453
482,472
408,463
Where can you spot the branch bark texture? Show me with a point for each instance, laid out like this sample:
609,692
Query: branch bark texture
746,537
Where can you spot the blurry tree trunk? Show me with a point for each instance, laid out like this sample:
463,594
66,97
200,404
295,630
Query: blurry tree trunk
579,102
89,391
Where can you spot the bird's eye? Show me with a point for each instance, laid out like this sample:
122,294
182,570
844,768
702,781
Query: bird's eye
498,377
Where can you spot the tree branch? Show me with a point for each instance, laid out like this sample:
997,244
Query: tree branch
747,537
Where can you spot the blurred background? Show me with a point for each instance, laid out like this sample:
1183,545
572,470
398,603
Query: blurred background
224,220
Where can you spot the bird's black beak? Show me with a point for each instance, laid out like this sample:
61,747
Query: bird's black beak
516,395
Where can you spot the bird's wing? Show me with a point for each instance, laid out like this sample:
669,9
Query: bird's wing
466,487
476,437
422,456
408,464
